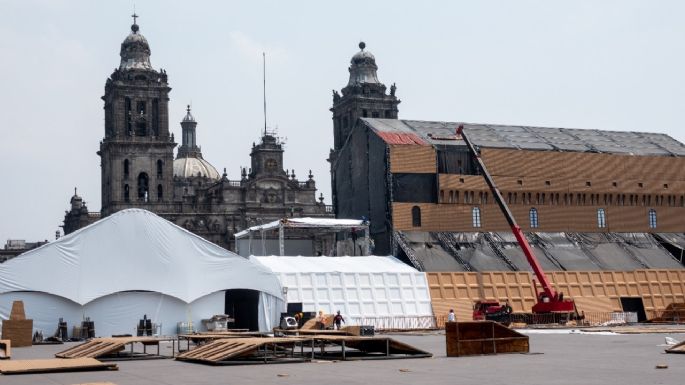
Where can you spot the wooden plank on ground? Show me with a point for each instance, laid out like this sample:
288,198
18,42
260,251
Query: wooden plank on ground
677,348
53,365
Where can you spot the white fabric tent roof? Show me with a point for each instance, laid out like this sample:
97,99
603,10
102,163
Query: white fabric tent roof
305,222
368,264
133,250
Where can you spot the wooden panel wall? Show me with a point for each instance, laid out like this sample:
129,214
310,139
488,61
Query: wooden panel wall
658,288
569,165
458,217
412,159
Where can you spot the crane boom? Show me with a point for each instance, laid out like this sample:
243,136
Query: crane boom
553,302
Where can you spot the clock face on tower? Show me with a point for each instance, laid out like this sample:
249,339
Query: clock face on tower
270,165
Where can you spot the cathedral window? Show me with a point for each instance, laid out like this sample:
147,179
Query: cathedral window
143,187
475,217
155,117
388,114
160,192
126,168
127,197
128,117
652,219
601,219
140,108
365,113
533,217
416,216
375,114
159,168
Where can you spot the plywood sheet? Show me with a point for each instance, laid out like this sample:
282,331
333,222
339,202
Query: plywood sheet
53,365
593,304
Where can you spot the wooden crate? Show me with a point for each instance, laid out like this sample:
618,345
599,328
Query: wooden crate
20,332
483,337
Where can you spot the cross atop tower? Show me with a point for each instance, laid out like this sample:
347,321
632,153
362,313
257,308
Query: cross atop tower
134,16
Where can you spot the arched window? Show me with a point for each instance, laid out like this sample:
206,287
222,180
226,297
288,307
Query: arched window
159,168
416,216
475,216
126,168
533,217
143,187
127,197
652,219
160,192
601,219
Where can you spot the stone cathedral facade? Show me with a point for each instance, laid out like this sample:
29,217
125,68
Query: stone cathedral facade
139,169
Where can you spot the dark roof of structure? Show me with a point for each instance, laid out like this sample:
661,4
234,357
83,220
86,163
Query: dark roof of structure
527,138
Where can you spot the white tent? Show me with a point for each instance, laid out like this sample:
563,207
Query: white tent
372,290
129,264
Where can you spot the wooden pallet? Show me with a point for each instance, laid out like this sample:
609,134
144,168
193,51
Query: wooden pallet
245,350
53,365
5,349
109,348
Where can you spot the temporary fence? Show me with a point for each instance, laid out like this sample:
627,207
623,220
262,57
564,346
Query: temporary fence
396,322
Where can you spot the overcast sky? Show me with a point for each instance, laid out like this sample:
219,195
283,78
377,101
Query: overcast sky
613,65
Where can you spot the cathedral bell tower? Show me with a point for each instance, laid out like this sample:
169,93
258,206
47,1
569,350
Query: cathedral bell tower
137,150
363,97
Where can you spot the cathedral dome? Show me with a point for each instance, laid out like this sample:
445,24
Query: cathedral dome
362,56
363,68
135,51
187,167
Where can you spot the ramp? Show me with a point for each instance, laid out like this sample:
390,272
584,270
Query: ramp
247,350
482,338
53,365
363,348
114,348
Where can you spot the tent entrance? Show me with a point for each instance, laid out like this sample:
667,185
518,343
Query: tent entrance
634,304
243,305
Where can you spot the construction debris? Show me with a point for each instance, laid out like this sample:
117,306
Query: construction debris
674,313
678,348
53,365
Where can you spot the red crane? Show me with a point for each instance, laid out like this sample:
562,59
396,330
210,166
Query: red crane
548,300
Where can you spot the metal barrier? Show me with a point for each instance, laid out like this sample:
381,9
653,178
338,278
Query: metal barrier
396,322
438,322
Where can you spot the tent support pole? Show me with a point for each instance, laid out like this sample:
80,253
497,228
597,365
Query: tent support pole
366,240
281,240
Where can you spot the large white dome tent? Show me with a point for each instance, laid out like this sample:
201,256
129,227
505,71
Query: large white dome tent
130,264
